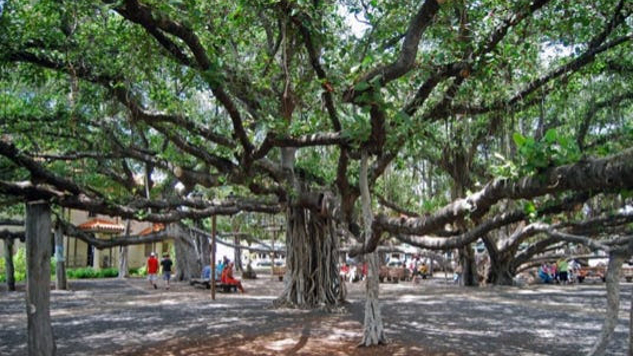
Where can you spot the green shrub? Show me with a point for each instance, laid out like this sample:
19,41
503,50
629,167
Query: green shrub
3,274
107,273
89,272
19,266
80,273
138,272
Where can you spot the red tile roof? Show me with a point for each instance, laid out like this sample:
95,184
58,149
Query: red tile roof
150,229
101,225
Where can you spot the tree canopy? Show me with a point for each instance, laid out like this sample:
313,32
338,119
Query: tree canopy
465,108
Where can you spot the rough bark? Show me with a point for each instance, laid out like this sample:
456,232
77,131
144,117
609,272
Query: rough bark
187,266
123,262
8,264
204,249
469,266
501,273
38,279
374,333
613,303
502,267
312,277
237,254
60,266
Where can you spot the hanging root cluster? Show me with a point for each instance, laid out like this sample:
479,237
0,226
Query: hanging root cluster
312,278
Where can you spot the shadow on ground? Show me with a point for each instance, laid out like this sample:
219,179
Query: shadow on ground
113,317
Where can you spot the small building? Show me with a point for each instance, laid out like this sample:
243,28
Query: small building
82,254
78,253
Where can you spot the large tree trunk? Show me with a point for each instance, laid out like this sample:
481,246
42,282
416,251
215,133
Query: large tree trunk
187,265
60,266
613,303
237,254
123,250
8,264
502,267
38,279
469,266
123,262
204,249
501,273
312,277
374,333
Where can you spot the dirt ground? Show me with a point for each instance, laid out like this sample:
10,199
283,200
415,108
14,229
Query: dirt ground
115,317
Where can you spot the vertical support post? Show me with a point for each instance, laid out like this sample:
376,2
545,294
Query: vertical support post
38,279
123,254
629,254
8,260
272,260
60,267
213,250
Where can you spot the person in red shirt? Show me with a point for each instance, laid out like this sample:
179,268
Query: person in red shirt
152,269
227,277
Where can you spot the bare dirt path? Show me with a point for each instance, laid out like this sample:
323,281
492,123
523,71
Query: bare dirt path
113,317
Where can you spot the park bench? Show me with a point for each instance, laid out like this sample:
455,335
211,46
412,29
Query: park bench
219,286
600,272
394,274
589,272
279,272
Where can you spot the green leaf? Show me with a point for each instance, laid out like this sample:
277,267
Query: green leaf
362,86
519,139
551,136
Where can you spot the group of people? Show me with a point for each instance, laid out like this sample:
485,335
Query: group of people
152,269
353,273
223,273
557,272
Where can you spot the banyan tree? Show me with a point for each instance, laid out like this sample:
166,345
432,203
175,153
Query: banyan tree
433,122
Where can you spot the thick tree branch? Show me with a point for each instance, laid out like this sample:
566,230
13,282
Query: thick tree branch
406,59
318,69
614,172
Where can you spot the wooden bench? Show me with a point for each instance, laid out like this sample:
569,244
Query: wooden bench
219,286
601,272
394,274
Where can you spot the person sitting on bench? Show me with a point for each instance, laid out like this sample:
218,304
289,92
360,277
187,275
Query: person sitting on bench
219,267
227,277
206,272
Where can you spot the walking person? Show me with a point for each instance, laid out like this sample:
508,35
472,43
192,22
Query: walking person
166,263
152,269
